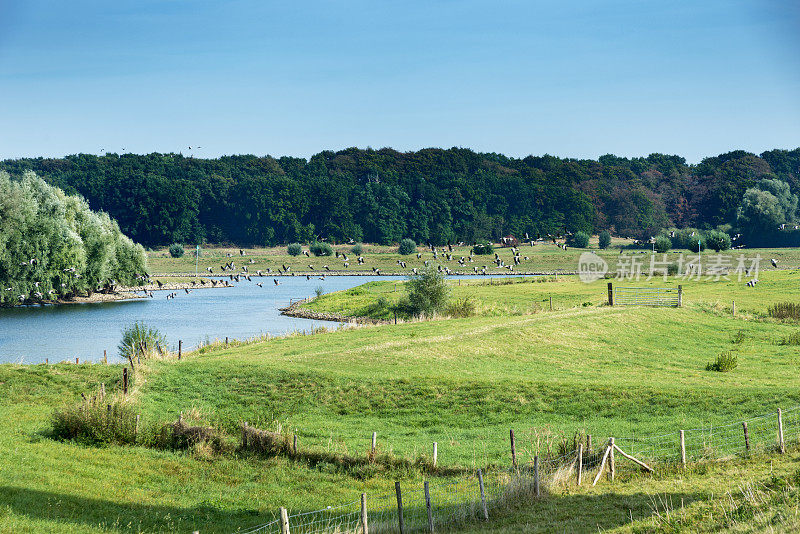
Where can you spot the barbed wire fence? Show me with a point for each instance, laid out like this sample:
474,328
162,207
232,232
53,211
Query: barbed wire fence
536,467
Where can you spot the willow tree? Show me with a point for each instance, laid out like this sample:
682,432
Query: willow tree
53,246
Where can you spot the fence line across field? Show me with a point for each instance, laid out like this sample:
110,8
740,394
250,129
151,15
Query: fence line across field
648,296
423,507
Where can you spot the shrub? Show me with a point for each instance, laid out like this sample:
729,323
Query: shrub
427,292
604,239
579,240
407,246
176,250
319,290
727,361
662,244
718,241
320,248
140,341
358,249
294,249
784,310
693,244
482,249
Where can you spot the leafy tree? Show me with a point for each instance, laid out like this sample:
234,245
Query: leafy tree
481,249
604,239
53,246
320,248
717,241
579,240
662,244
176,250
427,291
407,246
294,249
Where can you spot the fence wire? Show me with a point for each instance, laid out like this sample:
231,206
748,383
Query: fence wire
458,501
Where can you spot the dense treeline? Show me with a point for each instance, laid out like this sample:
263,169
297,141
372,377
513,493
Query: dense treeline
432,195
53,246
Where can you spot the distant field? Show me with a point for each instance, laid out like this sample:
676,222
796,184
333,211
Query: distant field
542,258
460,382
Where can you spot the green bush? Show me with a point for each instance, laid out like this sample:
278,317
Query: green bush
718,241
294,249
482,249
427,292
604,239
140,341
579,240
176,250
727,361
319,291
738,338
407,246
358,249
693,244
320,248
662,244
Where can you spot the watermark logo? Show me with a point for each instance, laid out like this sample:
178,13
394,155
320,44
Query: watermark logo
591,267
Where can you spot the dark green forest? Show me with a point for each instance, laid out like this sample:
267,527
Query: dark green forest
432,195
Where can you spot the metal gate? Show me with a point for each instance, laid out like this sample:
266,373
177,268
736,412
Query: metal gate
648,296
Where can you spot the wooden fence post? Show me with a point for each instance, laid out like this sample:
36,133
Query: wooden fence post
612,468
284,521
580,462
610,294
399,507
76,361
536,475
435,453
428,506
551,302
733,308
781,444
226,341
294,444
680,295
483,495
105,357
513,448
136,428
746,437
588,444
124,380
364,525
374,442
683,449
180,348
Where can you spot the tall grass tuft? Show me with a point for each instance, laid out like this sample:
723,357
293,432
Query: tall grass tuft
784,310
727,361
140,341
791,339
99,419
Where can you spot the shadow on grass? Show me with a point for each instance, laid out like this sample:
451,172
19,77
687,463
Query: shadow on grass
573,513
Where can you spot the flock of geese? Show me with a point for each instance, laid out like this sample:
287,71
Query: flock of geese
237,274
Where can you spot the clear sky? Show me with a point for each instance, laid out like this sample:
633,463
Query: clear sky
568,78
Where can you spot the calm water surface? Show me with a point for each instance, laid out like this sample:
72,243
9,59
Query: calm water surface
32,334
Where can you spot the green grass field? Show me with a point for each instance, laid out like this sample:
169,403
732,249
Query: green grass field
460,382
542,258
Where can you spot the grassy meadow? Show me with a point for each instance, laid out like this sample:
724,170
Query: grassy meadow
461,382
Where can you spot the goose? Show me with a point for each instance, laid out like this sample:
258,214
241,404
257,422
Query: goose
276,281
774,262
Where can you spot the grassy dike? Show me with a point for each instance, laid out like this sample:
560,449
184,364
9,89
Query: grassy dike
461,382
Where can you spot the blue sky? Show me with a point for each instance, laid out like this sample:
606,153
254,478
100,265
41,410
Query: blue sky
569,78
